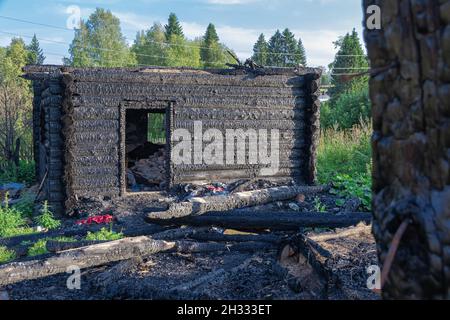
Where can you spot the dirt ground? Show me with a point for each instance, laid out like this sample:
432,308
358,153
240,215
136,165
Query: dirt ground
267,275
222,276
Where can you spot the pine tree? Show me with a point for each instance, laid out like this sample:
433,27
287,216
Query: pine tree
301,53
260,51
211,35
36,55
276,47
289,49
99,42
173,27
213,53
350,59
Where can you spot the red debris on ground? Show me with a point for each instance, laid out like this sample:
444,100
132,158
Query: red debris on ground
96,219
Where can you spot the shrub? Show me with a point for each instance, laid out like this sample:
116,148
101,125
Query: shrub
46,219
103,235
25,173
11,221
344,158
347,110
6,255
38,248
25,205
344,152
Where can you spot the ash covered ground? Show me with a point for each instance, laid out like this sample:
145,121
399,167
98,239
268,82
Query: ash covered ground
278,272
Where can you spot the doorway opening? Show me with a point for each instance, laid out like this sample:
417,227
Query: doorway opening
145,150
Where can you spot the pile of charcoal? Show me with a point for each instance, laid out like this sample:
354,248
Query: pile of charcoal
148,174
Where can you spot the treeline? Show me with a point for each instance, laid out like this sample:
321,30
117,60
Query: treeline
99,42
282,50
15,108
350,102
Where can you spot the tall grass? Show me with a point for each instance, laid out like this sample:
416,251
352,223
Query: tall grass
344,152
345,158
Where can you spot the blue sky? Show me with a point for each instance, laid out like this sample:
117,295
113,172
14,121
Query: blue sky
238,22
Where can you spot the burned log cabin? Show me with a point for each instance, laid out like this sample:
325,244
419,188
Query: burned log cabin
115,132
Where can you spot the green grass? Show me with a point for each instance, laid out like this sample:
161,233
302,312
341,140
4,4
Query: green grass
12,221
25,205
6,255
345,158
156,128
319,206
46,218
24,173
103,235
40,246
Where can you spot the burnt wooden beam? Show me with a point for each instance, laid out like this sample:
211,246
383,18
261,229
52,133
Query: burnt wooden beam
85,257
198,206
283,221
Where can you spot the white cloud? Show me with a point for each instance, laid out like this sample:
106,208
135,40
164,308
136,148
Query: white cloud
132,20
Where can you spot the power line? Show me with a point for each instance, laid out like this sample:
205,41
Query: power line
100,49
83,47
105,49
35,23
99,60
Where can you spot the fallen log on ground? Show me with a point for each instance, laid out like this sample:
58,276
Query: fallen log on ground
205,247
167,235
179,233
85,257
220,237
199,206
57,246
332,268
360,229
283,221
188,234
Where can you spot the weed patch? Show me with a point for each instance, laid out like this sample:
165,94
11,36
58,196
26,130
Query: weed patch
46,219
345,158
6,255
103,235
12,222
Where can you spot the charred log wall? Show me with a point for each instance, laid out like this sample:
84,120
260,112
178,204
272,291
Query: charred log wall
410,93
93,101
48,141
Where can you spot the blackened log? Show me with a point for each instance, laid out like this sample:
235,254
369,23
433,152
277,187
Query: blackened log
57,246
85,257
220,237
167,235
204,247
248,220
199,206
179,233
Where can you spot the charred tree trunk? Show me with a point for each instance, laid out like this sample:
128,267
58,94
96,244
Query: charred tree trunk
410,93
